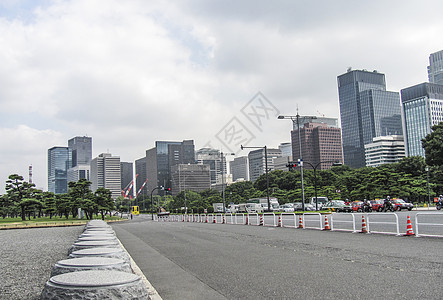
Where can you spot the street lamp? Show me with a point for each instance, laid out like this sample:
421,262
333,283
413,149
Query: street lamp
335,163
152,201
223,158
296,120
266,171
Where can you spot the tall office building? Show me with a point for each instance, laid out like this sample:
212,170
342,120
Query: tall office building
140,176
385,150
192,177
367,110
127,171
422,107
435,68
106,173
239,168
162,157
257,162
59,160
211,157
81,147
319,143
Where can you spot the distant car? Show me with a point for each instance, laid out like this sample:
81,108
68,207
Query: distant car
377,205
308,207
337,206
357,206
400,204
288,207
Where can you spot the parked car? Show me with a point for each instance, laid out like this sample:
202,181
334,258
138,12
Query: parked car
288,207
308,207
400,204
337,206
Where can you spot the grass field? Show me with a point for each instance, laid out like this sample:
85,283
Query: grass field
47,222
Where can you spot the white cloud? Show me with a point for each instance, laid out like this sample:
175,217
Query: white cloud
128,73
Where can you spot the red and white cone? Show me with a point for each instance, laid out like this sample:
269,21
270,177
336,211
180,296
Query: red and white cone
327,224
364,229
279,221
206,221
224,220
300,222
214,219
409,230
261,220
247,221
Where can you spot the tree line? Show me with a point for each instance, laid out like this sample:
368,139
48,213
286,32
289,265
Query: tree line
414,179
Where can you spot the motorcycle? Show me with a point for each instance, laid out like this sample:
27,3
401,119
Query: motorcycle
439,205
388,207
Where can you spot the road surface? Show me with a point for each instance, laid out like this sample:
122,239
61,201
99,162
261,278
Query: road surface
219,261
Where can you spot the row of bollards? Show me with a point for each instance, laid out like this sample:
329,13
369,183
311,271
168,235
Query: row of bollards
97,268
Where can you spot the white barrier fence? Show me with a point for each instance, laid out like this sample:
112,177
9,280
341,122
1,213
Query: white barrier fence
338,222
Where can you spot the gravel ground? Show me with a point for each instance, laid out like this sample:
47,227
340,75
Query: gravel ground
27,257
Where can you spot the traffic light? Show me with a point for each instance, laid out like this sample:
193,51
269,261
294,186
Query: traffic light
291,165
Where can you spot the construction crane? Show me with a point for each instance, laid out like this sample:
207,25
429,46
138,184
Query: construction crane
128,188
143,185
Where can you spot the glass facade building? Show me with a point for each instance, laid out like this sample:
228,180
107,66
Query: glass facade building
422,107
435,68
367,110
59,160
81,147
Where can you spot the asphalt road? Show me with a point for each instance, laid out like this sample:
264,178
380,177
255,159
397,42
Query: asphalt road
219,261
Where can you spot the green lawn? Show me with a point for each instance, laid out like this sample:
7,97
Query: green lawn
46,221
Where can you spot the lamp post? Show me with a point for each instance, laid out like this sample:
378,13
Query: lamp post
296,120
266,171
335,163
152,200
429,192
223,159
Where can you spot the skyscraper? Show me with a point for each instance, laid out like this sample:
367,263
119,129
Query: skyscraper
367,110
59,160
257,162
211,157
162,157
422,108
126,175
435,68
106,173
190,177
81,148
239,168
319,143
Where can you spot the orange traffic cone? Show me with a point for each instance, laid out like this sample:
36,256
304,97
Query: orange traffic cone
261,220
279,221
300,222
409,230
206,219
327,224
213,219
364,229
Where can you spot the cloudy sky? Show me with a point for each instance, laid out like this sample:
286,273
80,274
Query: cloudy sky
128,73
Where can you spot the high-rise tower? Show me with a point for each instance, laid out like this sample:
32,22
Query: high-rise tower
59,160
367,110
435,68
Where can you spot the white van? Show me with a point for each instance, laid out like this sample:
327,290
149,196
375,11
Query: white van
320,201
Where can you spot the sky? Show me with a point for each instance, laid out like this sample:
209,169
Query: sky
129,73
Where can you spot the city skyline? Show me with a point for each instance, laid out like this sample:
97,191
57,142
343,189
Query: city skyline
130,73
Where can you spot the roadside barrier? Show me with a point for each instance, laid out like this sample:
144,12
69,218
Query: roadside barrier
254,221
417,224
286,218
375,215
266,216
334,222
320,223
315,221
